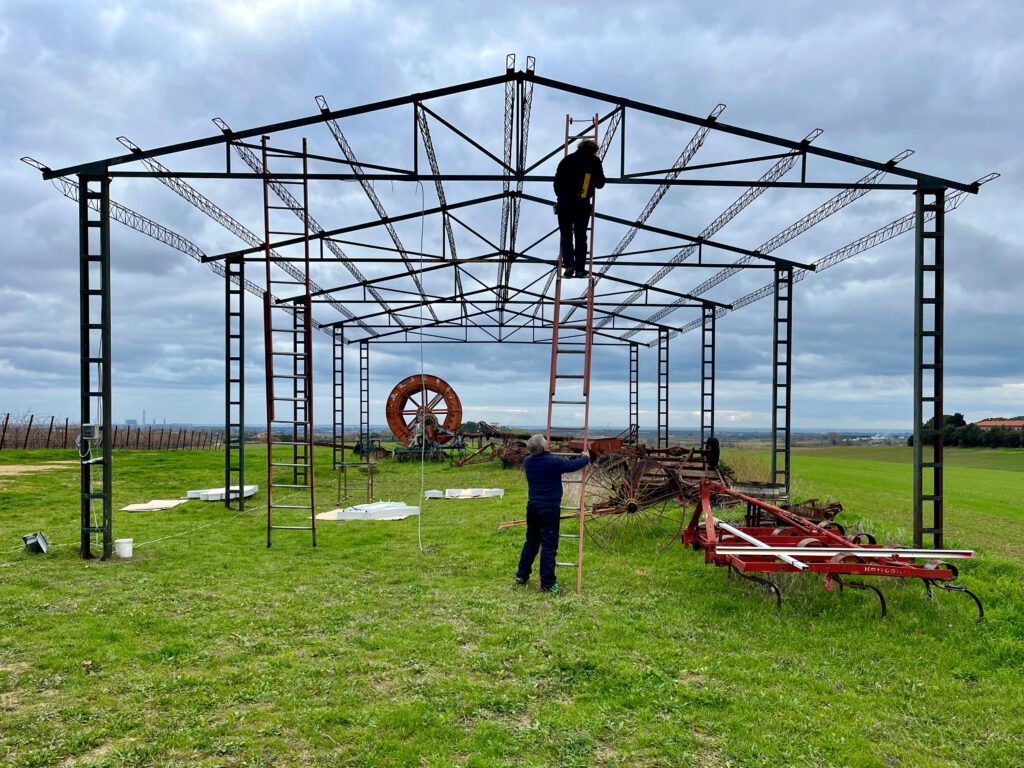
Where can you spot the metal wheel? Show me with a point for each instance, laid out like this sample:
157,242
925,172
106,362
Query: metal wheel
632,501
427,398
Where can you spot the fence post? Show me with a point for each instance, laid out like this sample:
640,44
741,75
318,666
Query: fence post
3,434
66,422
113,443
29,430
50,432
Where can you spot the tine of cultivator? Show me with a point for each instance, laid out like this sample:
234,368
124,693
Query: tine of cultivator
876,590
966,591
772,586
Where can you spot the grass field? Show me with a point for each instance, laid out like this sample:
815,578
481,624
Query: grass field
208,649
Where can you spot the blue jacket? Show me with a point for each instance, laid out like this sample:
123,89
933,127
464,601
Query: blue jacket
544,476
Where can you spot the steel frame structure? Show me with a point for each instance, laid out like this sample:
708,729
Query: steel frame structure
782,376
516,307
707,376
929,293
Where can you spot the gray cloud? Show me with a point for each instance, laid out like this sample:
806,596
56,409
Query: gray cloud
944,81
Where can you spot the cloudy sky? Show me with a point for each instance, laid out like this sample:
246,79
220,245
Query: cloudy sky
942,79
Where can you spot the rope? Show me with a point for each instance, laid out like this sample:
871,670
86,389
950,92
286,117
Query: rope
199,528
145,543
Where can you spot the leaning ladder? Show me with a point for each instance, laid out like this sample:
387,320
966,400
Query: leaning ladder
287,329
570,380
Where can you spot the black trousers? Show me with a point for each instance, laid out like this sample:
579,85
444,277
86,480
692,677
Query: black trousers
542,521
573,221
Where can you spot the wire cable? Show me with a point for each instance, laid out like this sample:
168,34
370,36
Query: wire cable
199,528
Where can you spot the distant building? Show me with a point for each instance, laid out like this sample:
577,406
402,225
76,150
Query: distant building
1015,424
131,422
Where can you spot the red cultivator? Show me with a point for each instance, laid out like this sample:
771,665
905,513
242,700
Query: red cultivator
795,544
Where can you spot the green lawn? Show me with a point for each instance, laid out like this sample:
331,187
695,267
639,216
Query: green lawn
1011,459
208,649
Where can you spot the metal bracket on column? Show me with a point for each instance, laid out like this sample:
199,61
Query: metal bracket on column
782,352
929,268
707,375
94,310
663,388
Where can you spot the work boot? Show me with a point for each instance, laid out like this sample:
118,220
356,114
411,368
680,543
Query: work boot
554,589
521,582
567,273
580,273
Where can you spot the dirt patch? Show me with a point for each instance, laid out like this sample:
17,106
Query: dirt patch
8,470
90,756
13,470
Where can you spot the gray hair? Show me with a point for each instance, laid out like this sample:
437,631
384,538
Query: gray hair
536,445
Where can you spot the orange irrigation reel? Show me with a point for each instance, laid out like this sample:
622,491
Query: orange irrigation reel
428,399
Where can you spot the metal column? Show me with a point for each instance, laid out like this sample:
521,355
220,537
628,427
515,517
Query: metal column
234,382
338,435
364,396
663,389
288,346
929,266
634,391
782,351
707,375
94,302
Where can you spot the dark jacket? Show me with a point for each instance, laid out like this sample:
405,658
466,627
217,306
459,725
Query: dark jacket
571,172
544,476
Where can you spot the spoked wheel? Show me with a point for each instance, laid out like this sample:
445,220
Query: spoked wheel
423,398
632,501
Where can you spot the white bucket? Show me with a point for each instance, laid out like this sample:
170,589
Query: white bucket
123,548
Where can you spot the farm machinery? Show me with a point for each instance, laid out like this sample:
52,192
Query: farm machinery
639,497
783,541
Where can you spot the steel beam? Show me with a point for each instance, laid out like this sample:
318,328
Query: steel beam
234,382
663,388
94,335
338,395
929,297
364,393
782,356
634,388
707,376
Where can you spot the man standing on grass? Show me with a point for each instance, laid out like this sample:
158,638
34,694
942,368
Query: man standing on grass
544,509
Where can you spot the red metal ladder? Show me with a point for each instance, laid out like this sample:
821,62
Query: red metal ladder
289,367
570,367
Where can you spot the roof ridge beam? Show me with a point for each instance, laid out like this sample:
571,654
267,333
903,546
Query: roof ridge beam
922,178
210,141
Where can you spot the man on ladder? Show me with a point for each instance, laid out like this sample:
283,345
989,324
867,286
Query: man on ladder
576,178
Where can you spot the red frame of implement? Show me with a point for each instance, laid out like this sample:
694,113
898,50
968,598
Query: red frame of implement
796,533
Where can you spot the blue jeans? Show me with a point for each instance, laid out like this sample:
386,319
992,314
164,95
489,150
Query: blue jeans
573,220
542,521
